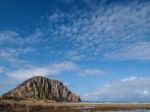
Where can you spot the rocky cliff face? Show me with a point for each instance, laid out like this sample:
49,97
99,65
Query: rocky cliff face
43,88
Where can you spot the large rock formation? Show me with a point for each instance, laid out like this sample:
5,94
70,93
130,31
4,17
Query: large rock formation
42,88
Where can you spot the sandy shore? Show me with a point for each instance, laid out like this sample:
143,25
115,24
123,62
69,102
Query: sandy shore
46,104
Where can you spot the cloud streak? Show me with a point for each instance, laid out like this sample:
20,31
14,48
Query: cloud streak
138,51
91,72
104,29
128,89
98,30
13,46
53,70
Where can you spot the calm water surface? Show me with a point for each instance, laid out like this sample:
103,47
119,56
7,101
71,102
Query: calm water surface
96,111
82,110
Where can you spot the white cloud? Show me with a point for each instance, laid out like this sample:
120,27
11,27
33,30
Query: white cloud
67,83
132,78
75,56
129,89
93,33
13,46
91,72
12,56
138,51
104,29
34,38
9,37
146,92
15,52
54,69
14,38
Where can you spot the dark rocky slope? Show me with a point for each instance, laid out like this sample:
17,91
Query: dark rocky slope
42,88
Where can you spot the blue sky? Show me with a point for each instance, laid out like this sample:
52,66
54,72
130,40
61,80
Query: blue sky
100,49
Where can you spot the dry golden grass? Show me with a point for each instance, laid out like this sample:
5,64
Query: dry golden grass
52,104
27,101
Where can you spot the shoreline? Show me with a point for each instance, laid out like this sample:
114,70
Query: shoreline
12,105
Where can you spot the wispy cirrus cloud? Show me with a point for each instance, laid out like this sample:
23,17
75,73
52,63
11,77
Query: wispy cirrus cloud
12,46
96,30
128,89
12,56
74,56
138,51
100,32
54,69
103,28
91,72
8,37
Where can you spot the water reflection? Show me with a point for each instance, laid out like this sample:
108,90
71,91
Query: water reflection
82,110
88,110
71,110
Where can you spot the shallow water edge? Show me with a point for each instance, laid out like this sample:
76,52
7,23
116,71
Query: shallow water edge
8,106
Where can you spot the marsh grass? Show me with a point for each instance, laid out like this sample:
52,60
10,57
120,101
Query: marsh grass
21,105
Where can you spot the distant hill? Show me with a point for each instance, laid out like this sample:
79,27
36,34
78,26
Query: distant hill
42,88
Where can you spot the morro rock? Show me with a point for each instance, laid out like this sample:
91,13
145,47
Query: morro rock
43,88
